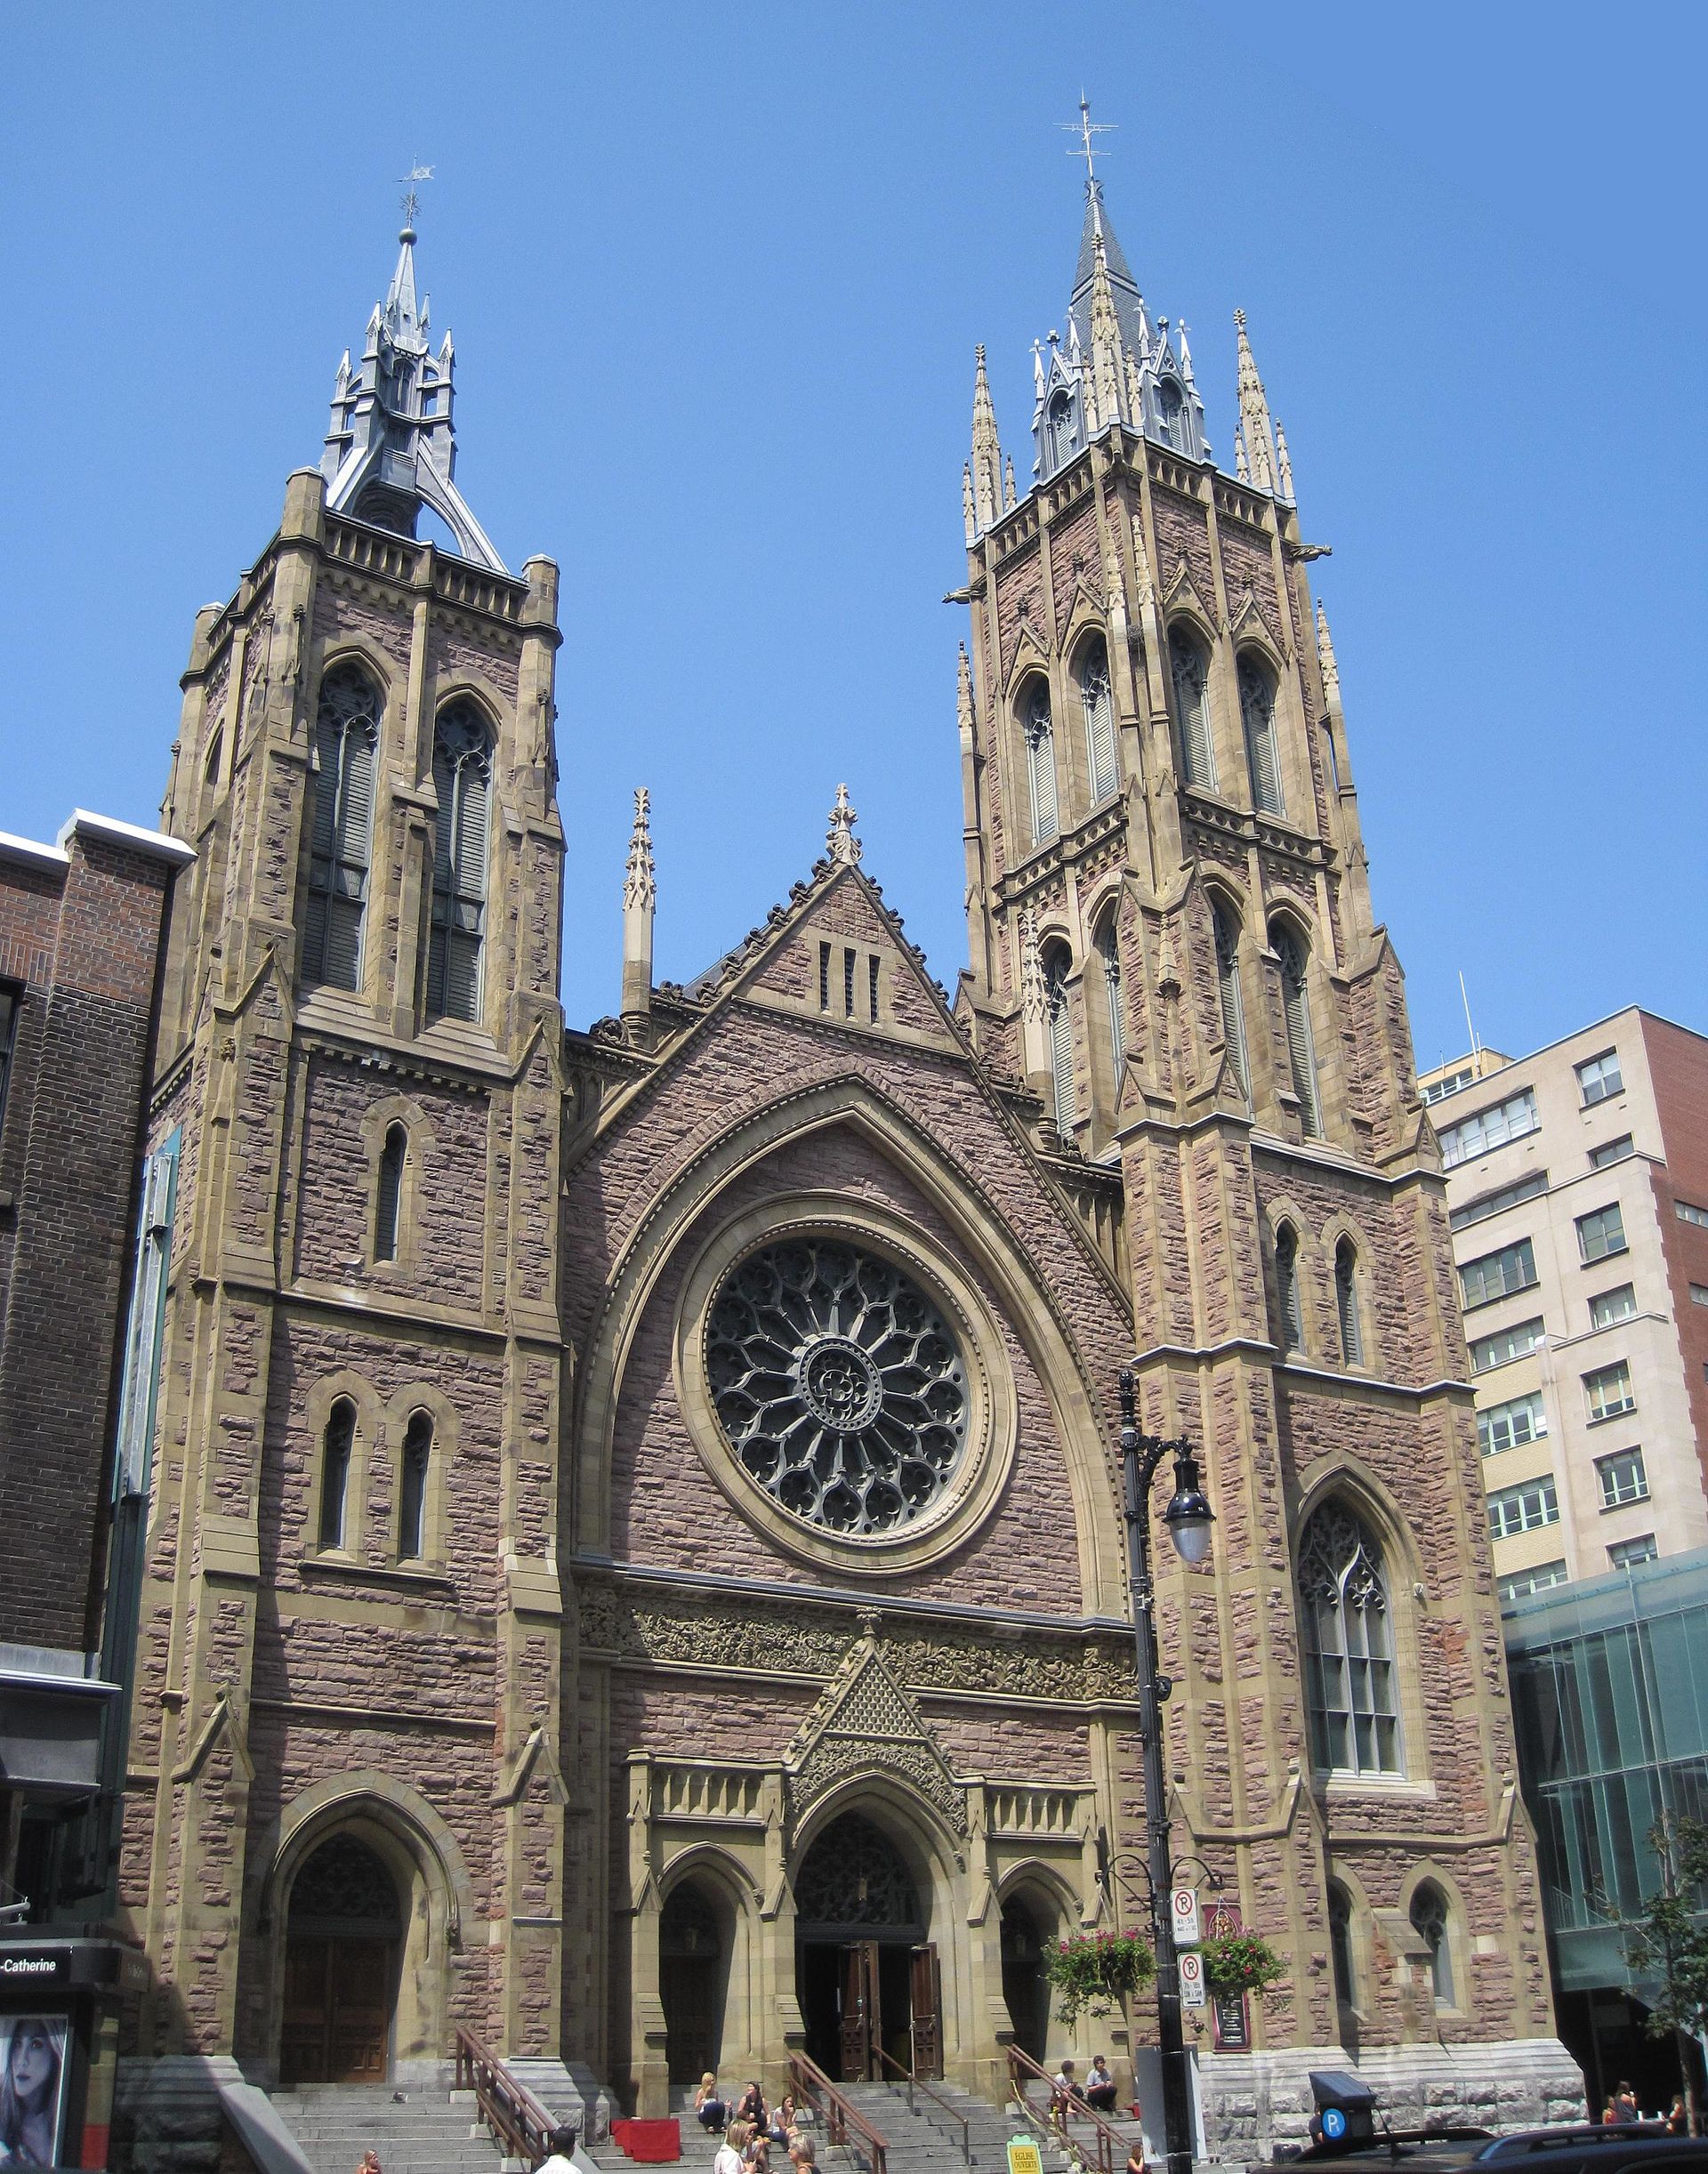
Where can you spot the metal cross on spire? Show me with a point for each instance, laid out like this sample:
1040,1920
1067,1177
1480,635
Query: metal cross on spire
1085,128
417,172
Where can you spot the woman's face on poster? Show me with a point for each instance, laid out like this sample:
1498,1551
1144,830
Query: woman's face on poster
32,2061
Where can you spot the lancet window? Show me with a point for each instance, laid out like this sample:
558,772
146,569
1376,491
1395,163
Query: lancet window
1190,669
1296,1006
346,733
1257,717
1349,1646
1040,762
1233,1014
1098,701
463,779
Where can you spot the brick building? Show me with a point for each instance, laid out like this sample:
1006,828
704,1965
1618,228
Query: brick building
82,929
636,1567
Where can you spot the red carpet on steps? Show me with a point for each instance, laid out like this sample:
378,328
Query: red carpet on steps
652,2144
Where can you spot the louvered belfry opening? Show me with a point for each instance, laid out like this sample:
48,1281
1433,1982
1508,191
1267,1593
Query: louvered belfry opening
346,734
1041,761
1257,718
1190,669
1295,1006
463,779
1098,701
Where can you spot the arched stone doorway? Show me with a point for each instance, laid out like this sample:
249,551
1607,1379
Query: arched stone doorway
343,1934
1025,1989
866,1975
693,1981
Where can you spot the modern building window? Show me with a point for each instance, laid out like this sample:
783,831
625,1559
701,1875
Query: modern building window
1349,1646
411,1488
462,777
1608,1391
1597,1077
1698,1294
1610,1151
341,824
1233,1012
10,995
1505,1344
1522,1584
1495,1276
335,1446
1340,1944
1626,1554
1449,1083
1257,720
1286,1288
1346,1302
1488,1127
1097,702
1189,668
1108,952
1688,1214
1601,1232
1430,1922
388,1204
1485,1204
1289,951
1060,1025
1524,1509
1621,1478
1509,1425
1040,737
1608,1307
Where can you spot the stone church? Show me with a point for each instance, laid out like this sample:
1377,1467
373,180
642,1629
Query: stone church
635,1568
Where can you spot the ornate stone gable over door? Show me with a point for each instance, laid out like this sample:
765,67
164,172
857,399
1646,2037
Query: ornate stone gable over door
866,1723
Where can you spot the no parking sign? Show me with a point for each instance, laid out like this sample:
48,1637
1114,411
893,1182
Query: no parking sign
1192,1992
1183,1913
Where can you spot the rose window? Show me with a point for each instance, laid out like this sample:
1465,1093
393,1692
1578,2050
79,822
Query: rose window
837,1383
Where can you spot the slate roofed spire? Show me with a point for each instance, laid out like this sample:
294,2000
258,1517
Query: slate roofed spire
390,448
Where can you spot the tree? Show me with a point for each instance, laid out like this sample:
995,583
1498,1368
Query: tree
1668,1940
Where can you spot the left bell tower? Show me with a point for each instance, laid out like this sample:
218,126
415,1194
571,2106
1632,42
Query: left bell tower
350,1608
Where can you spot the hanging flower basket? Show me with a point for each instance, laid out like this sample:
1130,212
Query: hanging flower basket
1240,1962
1095,1972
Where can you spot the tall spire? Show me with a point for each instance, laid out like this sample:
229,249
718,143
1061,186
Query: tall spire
986,451
390,448
1325,657
840,844
1254,422
1108,358
639,897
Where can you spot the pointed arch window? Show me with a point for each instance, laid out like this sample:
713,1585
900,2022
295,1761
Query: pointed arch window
1295,1006
1060,1025
1346,1302
1233,1014
1040,762
463,779
1108,953
411,1488
1340,1943
1062,429
341,825
1257,718
388,1206
1349,1646
335,1447
1292,1321
1431,1923
1098,701
1190,669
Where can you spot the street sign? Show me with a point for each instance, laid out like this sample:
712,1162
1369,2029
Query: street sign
1192,1992
1183,1905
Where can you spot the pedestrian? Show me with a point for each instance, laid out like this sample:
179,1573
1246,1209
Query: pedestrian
1677,2117
561,2157
370,2163
1624,2103
1609,2115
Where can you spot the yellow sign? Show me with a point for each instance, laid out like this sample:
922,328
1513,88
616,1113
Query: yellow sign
1024,2157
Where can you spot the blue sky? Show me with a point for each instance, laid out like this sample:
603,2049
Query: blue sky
715,276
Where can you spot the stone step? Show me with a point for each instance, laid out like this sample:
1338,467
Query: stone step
425,2132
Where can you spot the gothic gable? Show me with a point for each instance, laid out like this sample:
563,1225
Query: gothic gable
866,1723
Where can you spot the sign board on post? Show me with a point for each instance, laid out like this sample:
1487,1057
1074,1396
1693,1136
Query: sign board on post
1233,2017
1192,1992
1183,1905
1024,2157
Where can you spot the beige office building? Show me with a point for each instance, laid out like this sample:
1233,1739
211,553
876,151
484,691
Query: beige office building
1577,1185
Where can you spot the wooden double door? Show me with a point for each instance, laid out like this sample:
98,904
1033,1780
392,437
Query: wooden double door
892,2001
337,2010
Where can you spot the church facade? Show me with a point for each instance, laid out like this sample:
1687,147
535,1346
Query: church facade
636,1569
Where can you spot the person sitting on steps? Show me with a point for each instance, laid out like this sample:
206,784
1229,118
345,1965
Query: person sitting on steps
1100,2086
1064,2088
785,2116
709,2109
750,2107
729,2160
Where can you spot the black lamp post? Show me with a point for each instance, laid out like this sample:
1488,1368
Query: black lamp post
1187,1519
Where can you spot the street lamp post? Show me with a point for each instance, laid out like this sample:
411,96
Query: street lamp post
1188,1519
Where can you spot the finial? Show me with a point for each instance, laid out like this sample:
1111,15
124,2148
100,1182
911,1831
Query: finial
1035,1003
839,841
1141,562
1283,462
1084,129
964,693
1325,654
1008,485
1239,321
967,512
639,887
410,201
1241,469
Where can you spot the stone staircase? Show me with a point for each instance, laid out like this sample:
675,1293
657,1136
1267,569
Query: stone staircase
427,2132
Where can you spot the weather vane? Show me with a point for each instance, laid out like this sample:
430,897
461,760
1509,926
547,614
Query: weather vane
1085,128
416,172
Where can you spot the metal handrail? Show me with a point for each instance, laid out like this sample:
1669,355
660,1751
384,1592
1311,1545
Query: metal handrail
918,2083
1111,2146
841,2114
507,2107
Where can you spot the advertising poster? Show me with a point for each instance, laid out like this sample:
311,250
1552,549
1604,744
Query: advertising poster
32,2090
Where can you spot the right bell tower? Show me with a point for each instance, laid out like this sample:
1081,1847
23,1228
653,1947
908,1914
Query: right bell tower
1174,956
